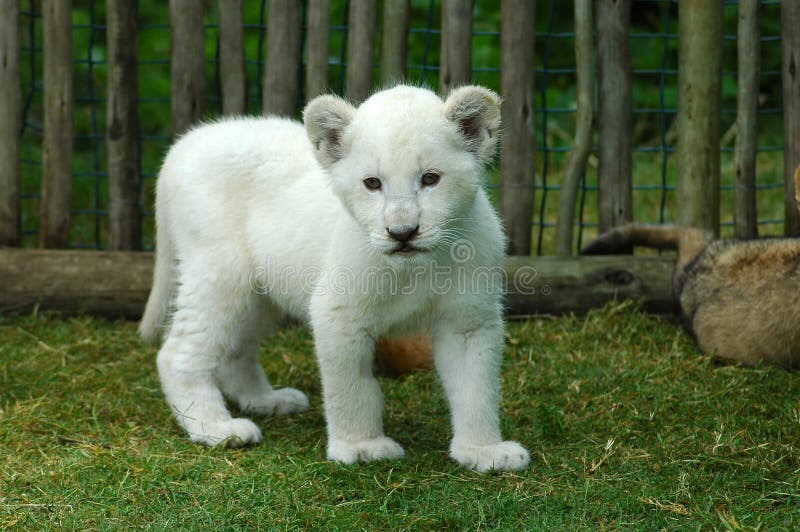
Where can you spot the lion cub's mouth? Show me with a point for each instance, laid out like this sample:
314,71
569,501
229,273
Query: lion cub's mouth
407,249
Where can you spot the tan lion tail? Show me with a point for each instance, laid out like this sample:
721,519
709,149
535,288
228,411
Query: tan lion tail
689,241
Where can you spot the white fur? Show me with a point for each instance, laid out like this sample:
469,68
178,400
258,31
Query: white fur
259,219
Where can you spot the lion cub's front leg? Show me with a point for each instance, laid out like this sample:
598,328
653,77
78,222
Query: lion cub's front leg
468,360
352,396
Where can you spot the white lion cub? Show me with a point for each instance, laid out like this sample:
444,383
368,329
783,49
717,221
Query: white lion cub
349,224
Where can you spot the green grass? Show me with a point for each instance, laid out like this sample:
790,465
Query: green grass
628,427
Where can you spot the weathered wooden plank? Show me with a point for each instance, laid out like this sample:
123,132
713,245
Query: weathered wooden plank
11,111
745,219
576,167
699,95
455,64
790,47
615,114
231,57
117,283
281,75
360,49
187,64
394,45
107,283
551,285
59,94
518,137
124,217
317,48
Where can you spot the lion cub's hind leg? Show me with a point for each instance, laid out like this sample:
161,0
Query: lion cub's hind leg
215,315
188,363
241,375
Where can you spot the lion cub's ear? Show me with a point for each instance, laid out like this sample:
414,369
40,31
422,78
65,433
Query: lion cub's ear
476,112
325,118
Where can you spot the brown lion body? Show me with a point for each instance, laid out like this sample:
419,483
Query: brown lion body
740,299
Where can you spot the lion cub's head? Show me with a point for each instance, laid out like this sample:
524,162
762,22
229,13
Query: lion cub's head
406,164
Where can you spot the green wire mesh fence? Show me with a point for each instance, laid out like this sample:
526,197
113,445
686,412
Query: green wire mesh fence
654,46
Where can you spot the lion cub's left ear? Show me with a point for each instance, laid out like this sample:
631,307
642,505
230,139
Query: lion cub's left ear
476,112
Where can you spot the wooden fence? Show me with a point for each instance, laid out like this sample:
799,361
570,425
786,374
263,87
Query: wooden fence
601,29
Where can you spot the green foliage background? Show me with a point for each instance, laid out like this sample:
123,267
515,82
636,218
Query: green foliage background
655,62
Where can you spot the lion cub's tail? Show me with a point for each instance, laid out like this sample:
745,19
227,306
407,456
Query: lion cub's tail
688,241
156,313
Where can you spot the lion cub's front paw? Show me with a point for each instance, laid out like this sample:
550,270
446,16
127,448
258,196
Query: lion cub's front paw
382,448
278,402
236,432
503,456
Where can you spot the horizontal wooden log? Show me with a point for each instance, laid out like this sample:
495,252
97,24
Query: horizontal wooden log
116,283
106,283
553,285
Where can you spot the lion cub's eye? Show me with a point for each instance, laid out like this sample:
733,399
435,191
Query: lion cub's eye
372,183
429,179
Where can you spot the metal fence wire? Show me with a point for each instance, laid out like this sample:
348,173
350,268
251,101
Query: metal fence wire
654,47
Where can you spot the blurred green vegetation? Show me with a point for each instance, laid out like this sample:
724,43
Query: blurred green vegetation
655,62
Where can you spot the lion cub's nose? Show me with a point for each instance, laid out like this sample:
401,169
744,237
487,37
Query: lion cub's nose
402,233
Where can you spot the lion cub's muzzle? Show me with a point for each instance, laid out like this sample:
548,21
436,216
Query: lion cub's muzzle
403,235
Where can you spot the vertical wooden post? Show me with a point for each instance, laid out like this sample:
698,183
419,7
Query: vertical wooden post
187,64
11,111
745,220
394,46
576,168
124,220
360,49
455,65
615,114
281,75
317,47
58,119
231,57
790,47
699,95
518,140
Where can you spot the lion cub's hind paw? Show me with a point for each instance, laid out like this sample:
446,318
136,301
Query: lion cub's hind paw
238,432
278,402
382,448
503,456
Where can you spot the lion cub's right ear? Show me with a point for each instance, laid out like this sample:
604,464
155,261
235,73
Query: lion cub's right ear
326,118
